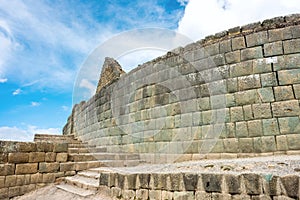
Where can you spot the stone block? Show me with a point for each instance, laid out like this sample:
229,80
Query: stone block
218,60
246,145
287,77
50,157
256,39
270,127
266,95
241,196
48,167
10,181
225,46
233,183
241,69
253,184
283,93
199,54
261,197
18,157
249,82
273,49
158,181
143,194
3,193
289,125
166,195
67,167
293,141
26,189
184,196
291,185
247,97
280,34
251,53
248,113
268,79
60,147
231,145
176,182
36,178
7,169
261,66
262,111
241,129
49,178
14,191
236,114
202,195
291,46
268,144
44,147
232,85
144,180
61,157
154,194
36,157
255,128
221,196
296,88
286,108
212,182
233,57
28,168
190,181
238,43
212,49
281,143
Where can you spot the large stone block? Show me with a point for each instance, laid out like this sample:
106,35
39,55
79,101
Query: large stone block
286,108
225,46
60,147
212,182
231,145
291,185
233,57
236,114
293,141
18,157
233,183
36,157
10,181
291,46
268,79
256,39
27,168
251,53
280,34
270,126
184,195
238,43
67,167
253,184
154,194
61,157
48,167
247,97
255,128
241,129
249,82
7,169
287,77
283,93
273,49
262,111
241,69
246,145
266,95
289,125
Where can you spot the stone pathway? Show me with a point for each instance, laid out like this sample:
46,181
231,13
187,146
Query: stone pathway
51,192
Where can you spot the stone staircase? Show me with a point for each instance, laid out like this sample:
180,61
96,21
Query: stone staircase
89,160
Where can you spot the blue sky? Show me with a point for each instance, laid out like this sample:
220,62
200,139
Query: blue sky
44,43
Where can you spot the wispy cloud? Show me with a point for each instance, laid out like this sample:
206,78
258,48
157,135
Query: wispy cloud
3,80
24,134
35,104
17,92
202,18
66,108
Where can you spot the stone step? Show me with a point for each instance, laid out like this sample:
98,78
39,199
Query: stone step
76,190
86,150
81,145
90,174
84,182
120,163
102,156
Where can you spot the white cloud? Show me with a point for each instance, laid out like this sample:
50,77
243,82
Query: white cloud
203,18
3,80
65,108
26,134
35,104
88,85
17,92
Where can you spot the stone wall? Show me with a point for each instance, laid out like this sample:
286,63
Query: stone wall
233,94
189,186
25,166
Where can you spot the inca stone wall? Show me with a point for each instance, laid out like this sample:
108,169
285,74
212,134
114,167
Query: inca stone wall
233,94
